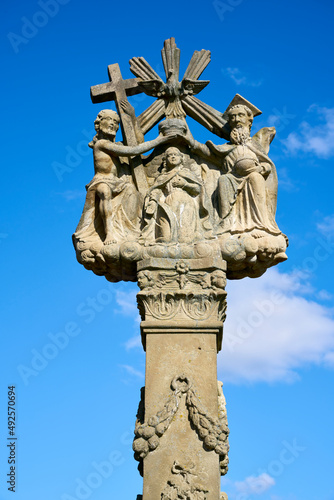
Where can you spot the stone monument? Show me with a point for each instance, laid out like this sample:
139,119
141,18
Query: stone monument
179,221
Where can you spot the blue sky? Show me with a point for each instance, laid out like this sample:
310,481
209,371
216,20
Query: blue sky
76,407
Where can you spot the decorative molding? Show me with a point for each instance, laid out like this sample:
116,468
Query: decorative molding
182,292
181,278
168,306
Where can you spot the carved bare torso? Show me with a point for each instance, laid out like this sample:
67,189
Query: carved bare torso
103,162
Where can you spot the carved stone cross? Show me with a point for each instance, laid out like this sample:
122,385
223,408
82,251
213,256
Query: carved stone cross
117,90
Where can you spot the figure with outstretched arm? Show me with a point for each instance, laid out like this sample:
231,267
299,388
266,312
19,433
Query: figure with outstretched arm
119,150
112,189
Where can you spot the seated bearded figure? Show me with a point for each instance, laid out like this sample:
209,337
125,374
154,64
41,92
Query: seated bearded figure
246,201
242,192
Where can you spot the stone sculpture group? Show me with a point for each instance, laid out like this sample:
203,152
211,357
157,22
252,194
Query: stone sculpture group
179,217
219,195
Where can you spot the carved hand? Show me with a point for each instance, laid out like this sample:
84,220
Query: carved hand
178,182
188,138
127,108
265,169
166,138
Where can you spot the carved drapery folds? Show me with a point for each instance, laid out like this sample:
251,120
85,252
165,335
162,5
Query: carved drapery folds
212,430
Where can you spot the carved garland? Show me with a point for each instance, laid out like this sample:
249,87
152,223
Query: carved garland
212,431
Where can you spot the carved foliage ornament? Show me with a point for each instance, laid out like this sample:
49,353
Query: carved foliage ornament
197,307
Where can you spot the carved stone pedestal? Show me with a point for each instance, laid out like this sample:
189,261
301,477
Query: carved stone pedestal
181,431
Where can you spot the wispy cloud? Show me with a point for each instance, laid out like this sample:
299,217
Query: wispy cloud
315,136
133,371
280,118
255,485
128,307
133,342
127,303
290,496
273,328
329,360
241,79
324,295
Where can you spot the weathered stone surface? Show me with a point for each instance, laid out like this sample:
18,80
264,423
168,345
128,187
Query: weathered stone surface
166,353
179,221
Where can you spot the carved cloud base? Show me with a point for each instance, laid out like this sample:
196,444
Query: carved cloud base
244,254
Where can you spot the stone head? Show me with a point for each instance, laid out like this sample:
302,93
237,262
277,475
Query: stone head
173,157
145,279
239,116
107,123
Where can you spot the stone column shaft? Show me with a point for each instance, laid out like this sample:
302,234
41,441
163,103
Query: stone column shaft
179,432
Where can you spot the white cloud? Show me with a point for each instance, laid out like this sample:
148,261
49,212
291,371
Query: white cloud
128,304
132,371
239,78
324,295
273,328
317,139
329,360
133,342
255,484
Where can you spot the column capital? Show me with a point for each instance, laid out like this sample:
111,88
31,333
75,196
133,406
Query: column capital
182,296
